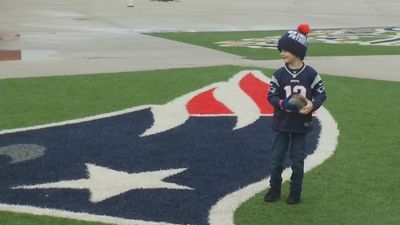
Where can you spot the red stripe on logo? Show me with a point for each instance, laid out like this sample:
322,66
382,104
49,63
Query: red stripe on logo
206,104
258,91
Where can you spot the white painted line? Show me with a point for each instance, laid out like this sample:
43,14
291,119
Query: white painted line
74,121
173,113
238,101
74,215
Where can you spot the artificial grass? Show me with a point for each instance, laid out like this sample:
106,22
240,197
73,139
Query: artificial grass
32,101
209,39
8,218
358,185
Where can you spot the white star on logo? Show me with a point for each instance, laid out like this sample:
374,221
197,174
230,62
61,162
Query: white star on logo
104,183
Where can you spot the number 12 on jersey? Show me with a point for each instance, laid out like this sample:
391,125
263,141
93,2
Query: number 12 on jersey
298,89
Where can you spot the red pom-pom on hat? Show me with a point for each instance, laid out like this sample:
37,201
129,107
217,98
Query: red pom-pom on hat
304,28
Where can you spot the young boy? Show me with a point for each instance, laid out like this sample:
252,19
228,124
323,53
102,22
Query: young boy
290,123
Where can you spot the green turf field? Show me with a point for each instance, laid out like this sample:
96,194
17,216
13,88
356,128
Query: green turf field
358,185
316,48
32,101
8,218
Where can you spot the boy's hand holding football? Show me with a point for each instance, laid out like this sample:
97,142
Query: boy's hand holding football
288,105
297,103
307,108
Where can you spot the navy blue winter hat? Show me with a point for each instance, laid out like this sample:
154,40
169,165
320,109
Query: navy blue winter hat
295,41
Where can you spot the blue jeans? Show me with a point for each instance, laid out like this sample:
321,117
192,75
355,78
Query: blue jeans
296,144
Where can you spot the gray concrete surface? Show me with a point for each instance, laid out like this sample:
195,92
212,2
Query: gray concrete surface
372,67
71,53
91,36
193,15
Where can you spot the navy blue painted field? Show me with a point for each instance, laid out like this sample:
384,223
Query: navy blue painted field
188,168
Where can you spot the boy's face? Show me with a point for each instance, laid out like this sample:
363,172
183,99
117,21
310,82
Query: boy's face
288,57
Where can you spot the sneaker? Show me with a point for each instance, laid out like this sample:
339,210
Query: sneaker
272,195
293,198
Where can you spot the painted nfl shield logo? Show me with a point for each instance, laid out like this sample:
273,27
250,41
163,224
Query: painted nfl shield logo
193,160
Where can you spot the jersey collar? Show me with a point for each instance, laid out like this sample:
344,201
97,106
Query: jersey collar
294,75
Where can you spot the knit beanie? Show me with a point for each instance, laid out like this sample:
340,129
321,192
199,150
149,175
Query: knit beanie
295,41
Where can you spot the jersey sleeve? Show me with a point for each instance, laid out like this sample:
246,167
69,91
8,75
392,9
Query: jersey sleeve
318,92
274,92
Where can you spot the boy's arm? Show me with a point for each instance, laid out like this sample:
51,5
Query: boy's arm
274,94
318,92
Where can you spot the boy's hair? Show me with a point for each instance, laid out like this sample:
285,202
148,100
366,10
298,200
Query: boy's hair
295,41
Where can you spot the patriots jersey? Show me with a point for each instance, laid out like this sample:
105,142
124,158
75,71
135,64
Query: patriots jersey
285,82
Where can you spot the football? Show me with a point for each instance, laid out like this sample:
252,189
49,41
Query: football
298,100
